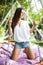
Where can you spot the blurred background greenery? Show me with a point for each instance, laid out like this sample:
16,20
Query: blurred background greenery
6,5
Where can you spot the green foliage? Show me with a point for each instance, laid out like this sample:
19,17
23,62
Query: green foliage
41,12
40,26
26,5
2,31
36,17
4,8
30,24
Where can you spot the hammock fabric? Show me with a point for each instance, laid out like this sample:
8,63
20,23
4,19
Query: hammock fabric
5,54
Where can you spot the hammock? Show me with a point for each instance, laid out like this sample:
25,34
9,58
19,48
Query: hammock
5,54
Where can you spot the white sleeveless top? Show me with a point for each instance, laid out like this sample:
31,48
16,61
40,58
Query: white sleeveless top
22,32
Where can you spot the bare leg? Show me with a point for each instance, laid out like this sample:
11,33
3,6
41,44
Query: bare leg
29,53
37,64
15,54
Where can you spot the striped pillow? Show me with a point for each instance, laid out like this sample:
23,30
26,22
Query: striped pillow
6,49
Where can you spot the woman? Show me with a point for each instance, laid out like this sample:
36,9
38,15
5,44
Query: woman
21,32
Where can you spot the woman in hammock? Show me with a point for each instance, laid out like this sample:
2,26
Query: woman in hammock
21,32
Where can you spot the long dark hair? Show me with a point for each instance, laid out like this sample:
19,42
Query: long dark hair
16,18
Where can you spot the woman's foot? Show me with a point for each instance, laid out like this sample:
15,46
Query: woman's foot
41,63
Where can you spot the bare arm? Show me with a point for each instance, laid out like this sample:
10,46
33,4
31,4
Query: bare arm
9,26
33,27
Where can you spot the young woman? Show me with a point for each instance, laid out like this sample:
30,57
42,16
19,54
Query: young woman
21,32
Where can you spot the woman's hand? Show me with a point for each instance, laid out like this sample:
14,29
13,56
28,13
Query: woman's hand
10,20
34,24
33,27
9,26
